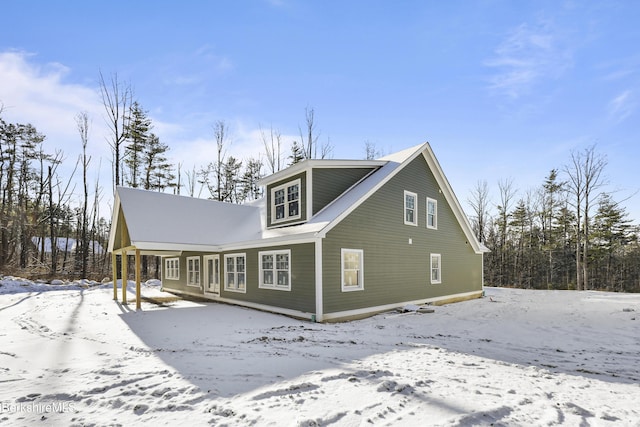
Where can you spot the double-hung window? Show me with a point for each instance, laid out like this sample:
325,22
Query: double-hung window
285,201
436,268
172,268
193,271
235,272
410,208
352,267
432,213
275,270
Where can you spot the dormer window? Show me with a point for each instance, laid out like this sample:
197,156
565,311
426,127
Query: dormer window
286,201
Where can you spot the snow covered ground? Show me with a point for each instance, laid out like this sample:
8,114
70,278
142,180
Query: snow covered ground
69,355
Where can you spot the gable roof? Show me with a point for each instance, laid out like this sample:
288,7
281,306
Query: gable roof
160,221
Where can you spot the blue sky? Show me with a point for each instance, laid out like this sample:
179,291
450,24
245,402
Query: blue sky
501,89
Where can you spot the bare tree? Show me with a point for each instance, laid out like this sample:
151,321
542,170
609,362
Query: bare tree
272,145
479,202
371,151
116,99
584,181
82,121
507,193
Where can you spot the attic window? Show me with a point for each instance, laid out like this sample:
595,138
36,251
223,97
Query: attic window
410,208
285,203
432,213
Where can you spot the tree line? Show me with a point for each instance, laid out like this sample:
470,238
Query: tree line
566,234
51,225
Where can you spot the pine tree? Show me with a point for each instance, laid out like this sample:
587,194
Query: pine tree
138,137
297,154
158,172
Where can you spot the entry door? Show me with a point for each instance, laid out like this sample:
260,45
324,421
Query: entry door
212,274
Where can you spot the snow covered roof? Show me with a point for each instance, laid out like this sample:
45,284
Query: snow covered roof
160,221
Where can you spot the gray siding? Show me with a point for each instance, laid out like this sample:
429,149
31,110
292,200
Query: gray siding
394,270
181,283
303,199
328,184
302,294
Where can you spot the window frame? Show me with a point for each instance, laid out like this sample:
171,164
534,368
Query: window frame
274,269
215,258
438,280
435,213
236,288
191,262
360,272
414,209
168,268
285,188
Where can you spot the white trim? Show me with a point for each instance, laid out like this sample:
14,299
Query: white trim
387,307
309,164
177,248
114,223
197,283
360,271
285,188
439,279
405,208
274,254
309,195
435,214
176,268
319,304
226,282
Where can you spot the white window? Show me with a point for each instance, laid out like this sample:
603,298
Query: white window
410,208
432,213
235,272
352,269
172,268
285,201
193,271
275,270
436,268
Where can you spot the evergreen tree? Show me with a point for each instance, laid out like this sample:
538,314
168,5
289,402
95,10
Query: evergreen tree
158,172
138,137
297,153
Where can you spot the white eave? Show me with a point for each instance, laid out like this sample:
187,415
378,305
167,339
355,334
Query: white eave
309,164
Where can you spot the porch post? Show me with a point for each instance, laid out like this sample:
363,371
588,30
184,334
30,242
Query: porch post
138,293
123,254
114,272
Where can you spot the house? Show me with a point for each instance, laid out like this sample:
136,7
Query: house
330,240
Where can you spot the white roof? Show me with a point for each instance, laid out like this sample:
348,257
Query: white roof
160,221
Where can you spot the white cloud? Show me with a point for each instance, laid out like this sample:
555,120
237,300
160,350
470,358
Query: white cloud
528,55
38,94
621,107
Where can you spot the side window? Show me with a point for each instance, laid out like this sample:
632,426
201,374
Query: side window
410,208
172,268
352,268
275,270
235,272
436,269
193,271
432,213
